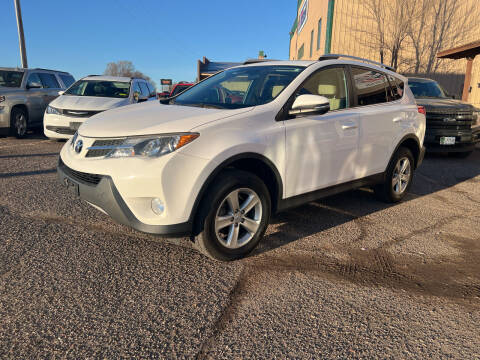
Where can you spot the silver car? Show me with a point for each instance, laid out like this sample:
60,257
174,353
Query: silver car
24,96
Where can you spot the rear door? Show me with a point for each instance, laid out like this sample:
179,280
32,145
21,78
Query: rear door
35,101
321,150
381,117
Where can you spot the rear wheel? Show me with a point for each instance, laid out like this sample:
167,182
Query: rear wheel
398,177
18,123
233,217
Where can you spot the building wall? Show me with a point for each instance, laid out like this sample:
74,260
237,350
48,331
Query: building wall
352,28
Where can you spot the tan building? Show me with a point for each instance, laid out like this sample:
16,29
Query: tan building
348,27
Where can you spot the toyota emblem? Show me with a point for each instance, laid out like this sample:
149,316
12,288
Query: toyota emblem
78,146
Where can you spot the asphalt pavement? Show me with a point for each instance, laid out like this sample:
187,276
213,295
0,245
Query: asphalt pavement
345,277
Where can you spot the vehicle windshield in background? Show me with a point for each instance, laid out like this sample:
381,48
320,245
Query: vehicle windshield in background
101,88
240,87
426,89
179,88
11,78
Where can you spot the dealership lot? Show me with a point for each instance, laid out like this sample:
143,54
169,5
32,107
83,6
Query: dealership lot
347,276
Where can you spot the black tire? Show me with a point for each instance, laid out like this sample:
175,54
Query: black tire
214,244
389,192
18,123
461,155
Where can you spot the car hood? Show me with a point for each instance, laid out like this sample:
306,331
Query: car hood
72,102
439,104
151,118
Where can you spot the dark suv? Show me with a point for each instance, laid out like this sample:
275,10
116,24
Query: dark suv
451,124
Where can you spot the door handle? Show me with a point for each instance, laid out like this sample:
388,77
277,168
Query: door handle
349,127
396,120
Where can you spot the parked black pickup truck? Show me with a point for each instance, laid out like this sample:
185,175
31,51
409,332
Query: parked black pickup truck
451,124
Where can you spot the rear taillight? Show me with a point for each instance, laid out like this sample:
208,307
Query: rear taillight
421,110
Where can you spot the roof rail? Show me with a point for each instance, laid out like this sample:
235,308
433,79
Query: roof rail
63,72
254,61
336,56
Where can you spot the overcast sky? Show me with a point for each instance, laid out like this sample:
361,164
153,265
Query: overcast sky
163,39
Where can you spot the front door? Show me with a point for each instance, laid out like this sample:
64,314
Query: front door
321,150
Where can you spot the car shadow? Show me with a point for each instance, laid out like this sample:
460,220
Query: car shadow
438,172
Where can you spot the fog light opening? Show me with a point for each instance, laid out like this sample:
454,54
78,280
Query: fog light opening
158,207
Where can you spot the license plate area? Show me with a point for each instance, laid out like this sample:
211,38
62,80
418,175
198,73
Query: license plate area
71,186
75,125
447,140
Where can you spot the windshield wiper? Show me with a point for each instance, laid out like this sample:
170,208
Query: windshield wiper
202,105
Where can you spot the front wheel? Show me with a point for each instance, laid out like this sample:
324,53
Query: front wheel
18,123
398,177
234,216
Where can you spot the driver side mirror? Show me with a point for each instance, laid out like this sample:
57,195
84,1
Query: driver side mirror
34,85
61,92
310,104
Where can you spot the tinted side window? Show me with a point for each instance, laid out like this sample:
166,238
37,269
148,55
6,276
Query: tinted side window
136,88
331,83
33,79
144,88
67,80
49,81
151,88
370,86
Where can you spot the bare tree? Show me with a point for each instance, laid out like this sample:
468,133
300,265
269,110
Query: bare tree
390,21
417,34
451,23
124,68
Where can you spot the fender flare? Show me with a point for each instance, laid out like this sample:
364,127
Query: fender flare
225,164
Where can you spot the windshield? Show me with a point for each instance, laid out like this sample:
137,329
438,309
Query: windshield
11,78
426,89
100,88
240,87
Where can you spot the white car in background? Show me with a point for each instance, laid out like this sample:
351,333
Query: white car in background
216,161
89,96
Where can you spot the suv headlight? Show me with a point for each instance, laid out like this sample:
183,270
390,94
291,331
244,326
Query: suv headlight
476,115
151,146
2,98
52,110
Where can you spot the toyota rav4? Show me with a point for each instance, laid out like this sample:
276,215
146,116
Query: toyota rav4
216,167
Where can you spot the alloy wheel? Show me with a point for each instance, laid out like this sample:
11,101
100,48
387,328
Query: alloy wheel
238,218
20,124
401,175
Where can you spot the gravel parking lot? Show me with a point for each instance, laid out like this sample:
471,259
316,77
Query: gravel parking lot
345,277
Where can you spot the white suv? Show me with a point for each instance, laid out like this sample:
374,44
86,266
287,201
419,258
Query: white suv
218,160
89,96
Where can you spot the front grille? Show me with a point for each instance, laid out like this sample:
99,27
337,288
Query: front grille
80,113
61,130
89,179
103,152
450,119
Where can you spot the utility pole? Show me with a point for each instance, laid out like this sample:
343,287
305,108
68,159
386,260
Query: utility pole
21,37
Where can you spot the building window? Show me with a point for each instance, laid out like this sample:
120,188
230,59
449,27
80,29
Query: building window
300,52
311,44
319,33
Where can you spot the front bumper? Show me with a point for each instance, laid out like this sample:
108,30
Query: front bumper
60,126
4,119
465,140
100,191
